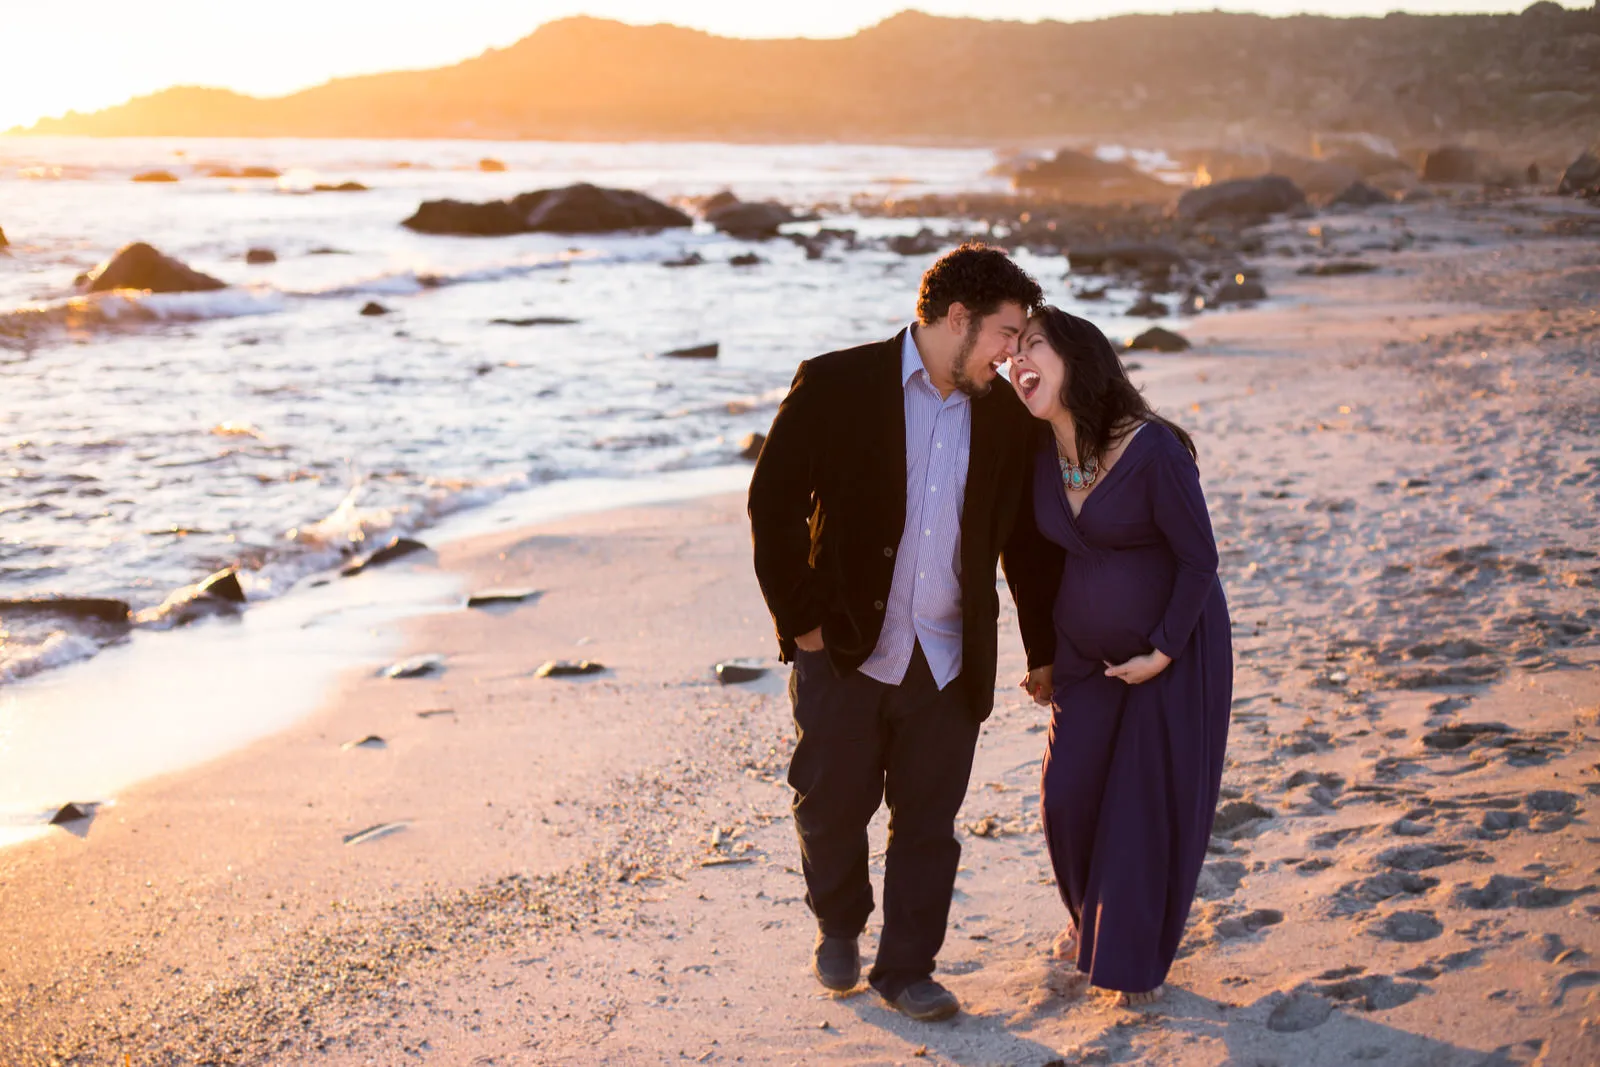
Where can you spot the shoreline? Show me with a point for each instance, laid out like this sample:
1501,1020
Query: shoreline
602,869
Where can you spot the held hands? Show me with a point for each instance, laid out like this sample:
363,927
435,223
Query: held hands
811,642
1039,684
1139,669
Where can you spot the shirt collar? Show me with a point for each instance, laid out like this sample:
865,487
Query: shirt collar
911,366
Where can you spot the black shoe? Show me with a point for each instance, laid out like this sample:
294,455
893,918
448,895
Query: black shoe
927,1001
837,962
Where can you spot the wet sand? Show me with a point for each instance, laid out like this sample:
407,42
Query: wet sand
1403,471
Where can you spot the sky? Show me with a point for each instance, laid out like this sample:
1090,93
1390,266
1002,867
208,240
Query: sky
95,53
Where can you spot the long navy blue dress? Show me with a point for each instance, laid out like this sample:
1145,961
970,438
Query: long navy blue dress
1132,772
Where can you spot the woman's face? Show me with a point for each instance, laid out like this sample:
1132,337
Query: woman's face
1038,372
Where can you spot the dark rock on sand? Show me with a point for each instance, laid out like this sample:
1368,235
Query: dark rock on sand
370,741
372,307
745,259
491,597
737,672
494,219
1235,291
537,320
155,176
1359,194
395,549
1337,268
425,666
568,669
693,259
1148,307
922,243
139,266
750,447
750,221
1269,194
100,608
257,256
709,351
1157,339
1581,178
72,812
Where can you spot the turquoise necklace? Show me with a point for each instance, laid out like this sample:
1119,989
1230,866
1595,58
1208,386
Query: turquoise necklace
1078,476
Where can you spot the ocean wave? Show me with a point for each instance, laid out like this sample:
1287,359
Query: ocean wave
98,312
59,648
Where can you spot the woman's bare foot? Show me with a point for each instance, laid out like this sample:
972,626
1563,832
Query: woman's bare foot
1066,945
1142,1000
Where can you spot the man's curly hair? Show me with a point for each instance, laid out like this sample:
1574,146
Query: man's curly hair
980,279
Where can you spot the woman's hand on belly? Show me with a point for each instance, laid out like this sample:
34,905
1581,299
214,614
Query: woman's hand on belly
1139,669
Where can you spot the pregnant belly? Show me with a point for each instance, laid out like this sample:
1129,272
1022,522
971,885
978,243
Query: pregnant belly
1108,607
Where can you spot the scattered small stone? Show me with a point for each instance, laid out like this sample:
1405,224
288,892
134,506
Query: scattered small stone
258,256
745,259
1337,268
491,166
432,713
339,187
372,833
424,666
395,549
568,669
693,259
372,307
71,812
491,597
370,741
537,320
155,176
737,672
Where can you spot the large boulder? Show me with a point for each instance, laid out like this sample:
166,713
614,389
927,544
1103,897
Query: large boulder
750,221
1112,258
1453,163
1582,176
139,266
1315,177
1242,197
586,208
1359,194
494,219
1074,175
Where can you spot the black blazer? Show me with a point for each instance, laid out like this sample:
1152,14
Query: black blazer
828,505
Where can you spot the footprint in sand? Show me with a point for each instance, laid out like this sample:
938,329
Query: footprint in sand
1574,980
1407,926
1423,857
1220,879
1355,897
1372,992
1504,891
1248,923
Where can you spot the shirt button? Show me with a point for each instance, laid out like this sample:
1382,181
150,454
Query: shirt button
878,604
933,489
939,445
922,574
888,552
927,533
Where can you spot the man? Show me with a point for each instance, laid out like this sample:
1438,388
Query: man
893,477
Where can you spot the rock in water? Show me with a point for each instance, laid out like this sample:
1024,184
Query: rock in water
1112,258
744,259
395,549
1156,339
3,241
494,219
258,256
224,585
1148,307
103,609
1581,178
750,221
709,351
568,669
537,320
139,266
1269,194
750,447
341,187
586,208
491,166
155,176
1083,177
71,812
1337,268
1359,194
372,307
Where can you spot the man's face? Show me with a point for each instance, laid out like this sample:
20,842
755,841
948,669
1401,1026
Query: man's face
987,344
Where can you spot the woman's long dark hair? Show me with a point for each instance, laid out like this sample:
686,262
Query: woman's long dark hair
1097,393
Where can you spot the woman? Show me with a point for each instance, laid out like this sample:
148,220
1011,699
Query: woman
1143,675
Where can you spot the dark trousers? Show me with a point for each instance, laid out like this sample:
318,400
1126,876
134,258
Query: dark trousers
859,742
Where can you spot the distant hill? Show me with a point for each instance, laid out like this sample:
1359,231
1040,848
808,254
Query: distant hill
1524,80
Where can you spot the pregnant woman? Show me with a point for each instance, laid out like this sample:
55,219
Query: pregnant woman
1143,675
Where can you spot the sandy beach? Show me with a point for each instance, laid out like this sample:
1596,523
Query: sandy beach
1403,469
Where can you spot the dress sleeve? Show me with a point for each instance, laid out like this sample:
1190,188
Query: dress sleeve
1180,514
781,503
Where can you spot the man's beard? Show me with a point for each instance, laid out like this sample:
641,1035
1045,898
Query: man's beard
958,373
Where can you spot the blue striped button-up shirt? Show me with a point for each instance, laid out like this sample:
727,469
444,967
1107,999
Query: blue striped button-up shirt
925,597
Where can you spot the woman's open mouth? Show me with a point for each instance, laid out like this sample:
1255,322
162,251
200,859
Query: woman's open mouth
1027,382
